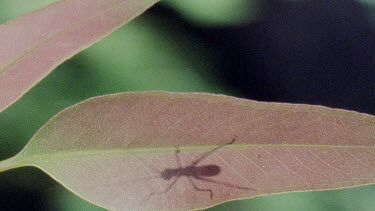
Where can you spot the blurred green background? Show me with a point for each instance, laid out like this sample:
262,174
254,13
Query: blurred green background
167,48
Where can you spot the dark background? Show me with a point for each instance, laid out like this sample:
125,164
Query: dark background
314,52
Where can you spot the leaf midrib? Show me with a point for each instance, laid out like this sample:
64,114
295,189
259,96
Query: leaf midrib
30,159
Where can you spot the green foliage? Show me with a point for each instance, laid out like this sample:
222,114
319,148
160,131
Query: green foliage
216,12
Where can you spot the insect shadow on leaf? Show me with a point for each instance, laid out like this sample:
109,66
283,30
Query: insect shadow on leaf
202,173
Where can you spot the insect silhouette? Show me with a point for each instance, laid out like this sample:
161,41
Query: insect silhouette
202,173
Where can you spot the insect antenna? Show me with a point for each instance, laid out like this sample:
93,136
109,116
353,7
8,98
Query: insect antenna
211,151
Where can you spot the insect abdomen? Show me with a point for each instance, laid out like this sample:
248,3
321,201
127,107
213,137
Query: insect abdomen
207,171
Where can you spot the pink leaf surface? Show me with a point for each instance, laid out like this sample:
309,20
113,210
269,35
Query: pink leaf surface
32,45
119,151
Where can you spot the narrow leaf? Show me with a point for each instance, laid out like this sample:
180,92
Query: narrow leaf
159,150
32,45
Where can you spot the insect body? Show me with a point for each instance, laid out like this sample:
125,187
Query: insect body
193,171
202,173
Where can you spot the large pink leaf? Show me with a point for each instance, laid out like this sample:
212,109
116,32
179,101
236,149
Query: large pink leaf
32,45
120,151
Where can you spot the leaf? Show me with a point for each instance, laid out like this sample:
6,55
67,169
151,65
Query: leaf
32,45
118,151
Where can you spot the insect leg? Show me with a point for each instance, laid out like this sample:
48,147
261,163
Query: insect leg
146,169
222,183
200,189
167,189
177,157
